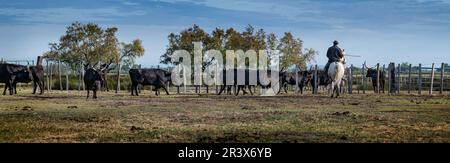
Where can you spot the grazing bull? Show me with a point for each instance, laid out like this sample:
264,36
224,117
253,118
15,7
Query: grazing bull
8,74
92,81
154,77
372,73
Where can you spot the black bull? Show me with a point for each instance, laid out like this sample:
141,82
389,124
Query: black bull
372,73
154,77
9,73
37,77
92,81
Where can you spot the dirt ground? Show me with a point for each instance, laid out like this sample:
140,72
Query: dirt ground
69,117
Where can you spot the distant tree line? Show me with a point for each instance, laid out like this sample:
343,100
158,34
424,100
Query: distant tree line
291,48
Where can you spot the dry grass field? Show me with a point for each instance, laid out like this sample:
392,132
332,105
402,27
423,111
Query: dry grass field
69,117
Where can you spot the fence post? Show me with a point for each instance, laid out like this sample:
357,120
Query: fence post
118,78
384,76
297,89
48,77
59,74
420,79
398,78
442,78
364,78
389,79
350,80
178,86
409,79
82,78
315,80
184,78
51,76
67,71
79,78
431,80
378,78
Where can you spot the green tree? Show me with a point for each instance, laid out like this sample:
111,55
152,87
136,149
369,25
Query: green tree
128,53
86,43
292,52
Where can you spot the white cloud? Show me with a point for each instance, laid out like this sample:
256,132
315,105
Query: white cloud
129,3
289,11
62,15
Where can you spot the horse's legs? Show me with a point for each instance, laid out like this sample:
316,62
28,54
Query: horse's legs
332,89
338,90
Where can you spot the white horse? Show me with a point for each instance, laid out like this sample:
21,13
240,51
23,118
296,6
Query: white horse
336,73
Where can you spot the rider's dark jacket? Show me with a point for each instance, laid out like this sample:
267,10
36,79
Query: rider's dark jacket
334,53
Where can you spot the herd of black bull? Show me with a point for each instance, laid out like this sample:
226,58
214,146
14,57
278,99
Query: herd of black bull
11,74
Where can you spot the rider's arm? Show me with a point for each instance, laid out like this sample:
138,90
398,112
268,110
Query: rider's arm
341,54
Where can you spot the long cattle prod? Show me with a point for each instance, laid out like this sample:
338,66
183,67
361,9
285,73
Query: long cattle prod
352,55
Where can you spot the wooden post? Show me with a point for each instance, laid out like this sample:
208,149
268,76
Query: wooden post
389,79
315,80
48,77
442,78
384,76
364,78
118,78
398,78
419,83
51,76
184,78
297,89
350,81
168,86
378,78
409,79
67,71
82,78
178,86
59,74
431,80
79,77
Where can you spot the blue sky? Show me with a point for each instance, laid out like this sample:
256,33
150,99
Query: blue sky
416,31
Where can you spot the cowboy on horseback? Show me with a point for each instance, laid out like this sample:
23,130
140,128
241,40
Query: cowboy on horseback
334,54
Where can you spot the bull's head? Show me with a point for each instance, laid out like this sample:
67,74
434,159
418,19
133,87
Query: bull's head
371,72
96,74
